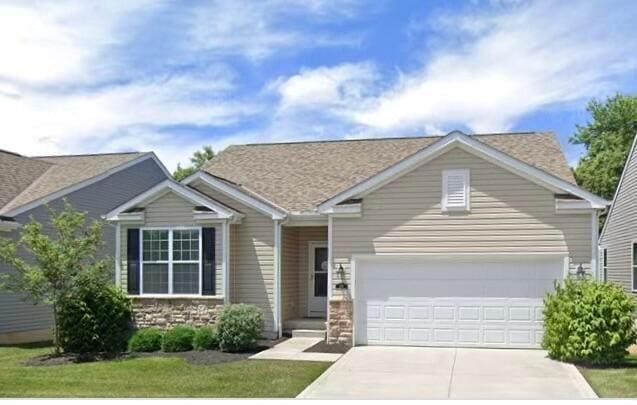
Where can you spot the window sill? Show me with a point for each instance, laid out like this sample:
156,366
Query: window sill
177,297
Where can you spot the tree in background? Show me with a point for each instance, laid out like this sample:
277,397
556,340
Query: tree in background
607,138
58,261
198,159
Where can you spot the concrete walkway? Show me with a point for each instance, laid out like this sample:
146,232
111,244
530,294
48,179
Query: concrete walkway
292,349
431,373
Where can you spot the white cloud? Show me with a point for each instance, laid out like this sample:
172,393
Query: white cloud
327,86
59,42
255,30
531,56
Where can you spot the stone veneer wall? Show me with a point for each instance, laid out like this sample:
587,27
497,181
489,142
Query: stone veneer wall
340,327
167,312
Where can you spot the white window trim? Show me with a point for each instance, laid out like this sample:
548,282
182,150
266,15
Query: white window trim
633,265
466,173
603,261
170,261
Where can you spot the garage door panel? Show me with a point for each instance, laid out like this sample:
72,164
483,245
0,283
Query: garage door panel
415,306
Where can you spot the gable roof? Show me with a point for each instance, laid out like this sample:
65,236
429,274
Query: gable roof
629,159
17,173
183,191
299,176
61,175
471,145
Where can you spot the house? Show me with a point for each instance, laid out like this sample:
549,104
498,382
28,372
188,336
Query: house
618,241
450,240
91,183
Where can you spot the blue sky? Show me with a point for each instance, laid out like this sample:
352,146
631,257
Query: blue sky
170,76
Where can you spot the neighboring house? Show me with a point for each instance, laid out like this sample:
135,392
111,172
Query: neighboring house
449,241
618,241
91,183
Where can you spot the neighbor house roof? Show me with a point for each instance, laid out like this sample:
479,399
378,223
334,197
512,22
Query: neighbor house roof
30,179
300,175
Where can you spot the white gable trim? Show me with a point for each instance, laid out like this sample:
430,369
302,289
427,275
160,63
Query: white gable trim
458,139
265,207
633,150
165,187
68,190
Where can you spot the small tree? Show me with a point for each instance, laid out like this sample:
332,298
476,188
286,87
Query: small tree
198,159
56,262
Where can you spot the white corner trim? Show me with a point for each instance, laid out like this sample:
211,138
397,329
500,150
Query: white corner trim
594,246
330,265
277,279
118,255
165,186
458,139
269,208
74,187
633,150
225,261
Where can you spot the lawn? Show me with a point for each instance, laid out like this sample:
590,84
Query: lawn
152,377
620,382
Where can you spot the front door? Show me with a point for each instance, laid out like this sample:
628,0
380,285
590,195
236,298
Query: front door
317,298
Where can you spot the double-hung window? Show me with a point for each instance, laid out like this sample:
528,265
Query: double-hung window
171,261
604,264
633,268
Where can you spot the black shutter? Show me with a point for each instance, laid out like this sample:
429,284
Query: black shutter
132,258
208,272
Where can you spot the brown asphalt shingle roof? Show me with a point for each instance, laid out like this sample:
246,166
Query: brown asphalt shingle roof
299,176
17,173
54,173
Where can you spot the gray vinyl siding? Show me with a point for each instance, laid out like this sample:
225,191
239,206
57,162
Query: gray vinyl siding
621,228
508,214
96,199
251,257
171,210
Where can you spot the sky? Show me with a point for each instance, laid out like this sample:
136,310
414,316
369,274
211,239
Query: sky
172,76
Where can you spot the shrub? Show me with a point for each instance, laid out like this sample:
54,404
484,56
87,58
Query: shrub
239,327
588,321
178,339
94,317
206,338
146,340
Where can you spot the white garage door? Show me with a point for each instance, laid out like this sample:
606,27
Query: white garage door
477,301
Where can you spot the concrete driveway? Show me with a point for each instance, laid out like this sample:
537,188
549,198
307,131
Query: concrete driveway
376,372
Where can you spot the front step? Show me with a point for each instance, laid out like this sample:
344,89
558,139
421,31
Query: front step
308,333
304,323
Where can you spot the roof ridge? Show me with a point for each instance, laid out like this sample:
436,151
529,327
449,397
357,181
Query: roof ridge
387,138
8,152
88,154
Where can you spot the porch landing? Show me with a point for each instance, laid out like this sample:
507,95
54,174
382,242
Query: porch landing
305,327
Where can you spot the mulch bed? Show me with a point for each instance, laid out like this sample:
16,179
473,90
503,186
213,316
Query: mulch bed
193,357
323,347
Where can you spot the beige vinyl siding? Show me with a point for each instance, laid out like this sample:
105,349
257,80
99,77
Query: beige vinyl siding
621,227
172,210
252,256
294,268
508,214
307,235
289,273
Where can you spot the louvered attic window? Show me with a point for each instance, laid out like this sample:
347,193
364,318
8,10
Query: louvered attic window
455,190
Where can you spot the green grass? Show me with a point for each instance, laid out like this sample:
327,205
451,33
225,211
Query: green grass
619,382
152,377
